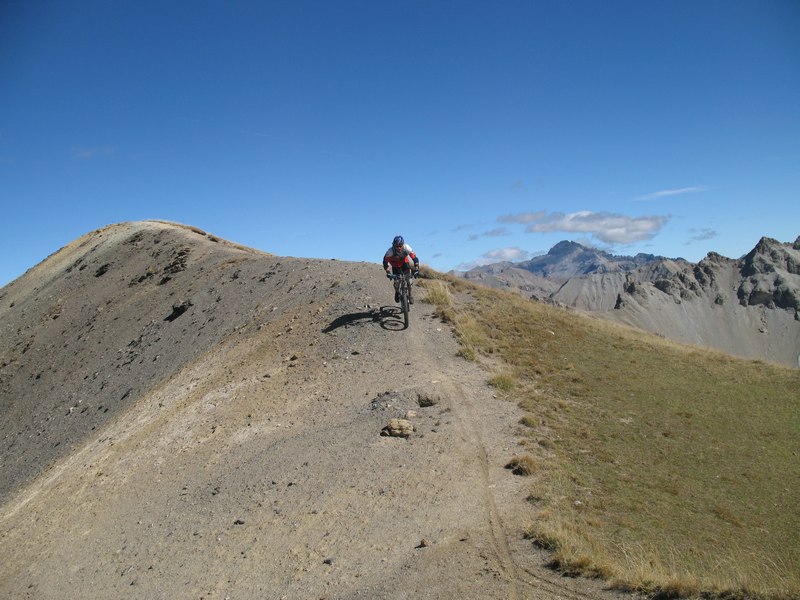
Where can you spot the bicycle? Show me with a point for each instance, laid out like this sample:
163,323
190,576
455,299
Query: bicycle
405,291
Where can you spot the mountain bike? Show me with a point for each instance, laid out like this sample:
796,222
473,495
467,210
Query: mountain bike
405,291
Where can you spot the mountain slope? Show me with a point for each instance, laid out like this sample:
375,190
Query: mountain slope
93,328
183,417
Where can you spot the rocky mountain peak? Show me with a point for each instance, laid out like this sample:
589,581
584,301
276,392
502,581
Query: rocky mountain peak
565,248
715,258
769,256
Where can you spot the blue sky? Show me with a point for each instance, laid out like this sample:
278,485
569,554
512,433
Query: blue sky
478,130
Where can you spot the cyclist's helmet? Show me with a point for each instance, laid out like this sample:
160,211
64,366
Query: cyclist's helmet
398,241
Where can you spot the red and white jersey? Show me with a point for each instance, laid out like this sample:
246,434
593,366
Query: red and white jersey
399,258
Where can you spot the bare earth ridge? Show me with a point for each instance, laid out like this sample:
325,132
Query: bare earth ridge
186,418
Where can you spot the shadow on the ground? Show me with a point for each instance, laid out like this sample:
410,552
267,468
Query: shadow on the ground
388,317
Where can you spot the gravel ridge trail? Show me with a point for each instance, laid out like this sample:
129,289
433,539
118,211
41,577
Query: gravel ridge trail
242,456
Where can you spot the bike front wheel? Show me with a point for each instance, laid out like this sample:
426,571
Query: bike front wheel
404,303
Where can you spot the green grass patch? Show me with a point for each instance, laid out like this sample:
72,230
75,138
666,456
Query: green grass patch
667,469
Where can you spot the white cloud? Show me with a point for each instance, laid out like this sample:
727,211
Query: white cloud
528,217
675,192
512,254
607,227
699,235
497,232
90,153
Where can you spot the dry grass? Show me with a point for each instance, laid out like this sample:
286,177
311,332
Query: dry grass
523,465
437,293
503,382
666,468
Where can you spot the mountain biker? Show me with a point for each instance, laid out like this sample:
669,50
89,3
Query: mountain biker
397,260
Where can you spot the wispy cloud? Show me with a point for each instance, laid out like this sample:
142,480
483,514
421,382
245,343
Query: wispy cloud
607,227
512,254
674,192
90,153
522,218
462,227
497,232
699,235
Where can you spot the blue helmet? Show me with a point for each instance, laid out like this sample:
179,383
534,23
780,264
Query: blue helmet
398,241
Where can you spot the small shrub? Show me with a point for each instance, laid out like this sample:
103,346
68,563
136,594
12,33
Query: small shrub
469,331
504,383
523,465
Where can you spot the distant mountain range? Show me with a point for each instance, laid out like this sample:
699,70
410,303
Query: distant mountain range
749,307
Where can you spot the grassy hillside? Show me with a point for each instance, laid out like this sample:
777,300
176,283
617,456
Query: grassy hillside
659,467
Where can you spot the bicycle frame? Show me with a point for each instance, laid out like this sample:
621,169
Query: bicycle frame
404,290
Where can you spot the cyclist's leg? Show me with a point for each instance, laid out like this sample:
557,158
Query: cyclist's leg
410,279
396,282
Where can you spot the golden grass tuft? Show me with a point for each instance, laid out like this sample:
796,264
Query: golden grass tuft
438,293
503,382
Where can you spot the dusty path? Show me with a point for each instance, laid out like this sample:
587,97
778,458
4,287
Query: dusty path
258,470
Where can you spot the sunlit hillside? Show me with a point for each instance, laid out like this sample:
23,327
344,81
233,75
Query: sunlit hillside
657,466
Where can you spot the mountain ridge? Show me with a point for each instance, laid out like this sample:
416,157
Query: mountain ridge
749,307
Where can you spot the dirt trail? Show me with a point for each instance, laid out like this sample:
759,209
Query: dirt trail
257,469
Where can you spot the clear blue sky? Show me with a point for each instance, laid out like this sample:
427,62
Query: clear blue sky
478,130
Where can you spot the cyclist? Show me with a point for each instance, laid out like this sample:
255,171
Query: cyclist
397,260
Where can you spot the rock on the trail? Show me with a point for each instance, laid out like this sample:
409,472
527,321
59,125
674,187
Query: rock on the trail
426,399
398,428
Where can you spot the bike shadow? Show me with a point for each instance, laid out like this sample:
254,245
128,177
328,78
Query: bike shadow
388,317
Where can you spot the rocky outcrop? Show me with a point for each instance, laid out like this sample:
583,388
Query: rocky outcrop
398,428
770,275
